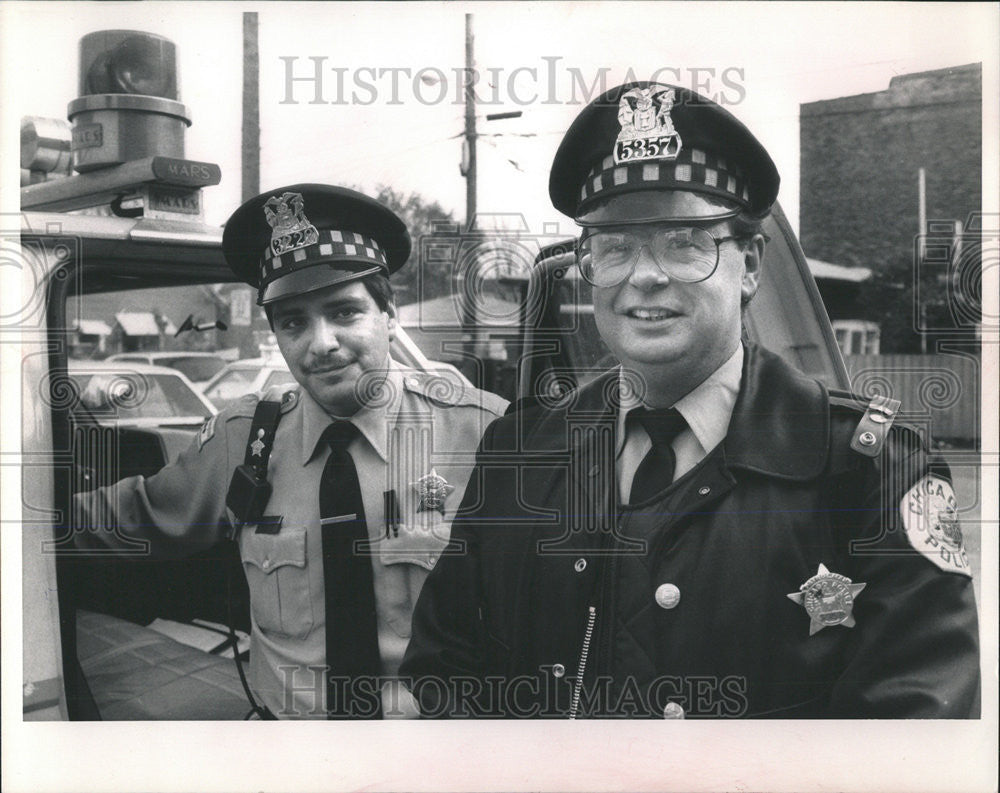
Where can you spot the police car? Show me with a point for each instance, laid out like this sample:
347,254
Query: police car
126,228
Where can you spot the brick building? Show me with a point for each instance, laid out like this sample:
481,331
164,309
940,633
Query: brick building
860,156
859,206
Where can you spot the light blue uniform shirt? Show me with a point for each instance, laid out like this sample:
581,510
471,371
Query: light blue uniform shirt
419,423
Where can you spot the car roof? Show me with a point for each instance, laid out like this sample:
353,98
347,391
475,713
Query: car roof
165,354
76,364
256,363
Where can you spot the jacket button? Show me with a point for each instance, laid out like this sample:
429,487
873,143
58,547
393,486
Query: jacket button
667,596
580,566
673,711
266,564
867,439
558,670
704,491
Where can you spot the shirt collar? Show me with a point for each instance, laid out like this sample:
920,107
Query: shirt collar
374,420
707,409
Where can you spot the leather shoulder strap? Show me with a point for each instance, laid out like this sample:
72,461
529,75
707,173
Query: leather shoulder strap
261,438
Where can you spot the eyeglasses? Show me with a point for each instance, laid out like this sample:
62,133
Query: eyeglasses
683,253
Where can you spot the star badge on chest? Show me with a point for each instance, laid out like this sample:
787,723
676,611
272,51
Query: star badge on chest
828,599
433,491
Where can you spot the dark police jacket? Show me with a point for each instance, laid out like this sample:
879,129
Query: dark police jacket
787,575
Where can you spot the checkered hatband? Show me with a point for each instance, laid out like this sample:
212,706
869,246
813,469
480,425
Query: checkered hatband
332,246
694,169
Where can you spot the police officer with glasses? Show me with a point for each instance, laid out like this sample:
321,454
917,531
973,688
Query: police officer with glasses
703,531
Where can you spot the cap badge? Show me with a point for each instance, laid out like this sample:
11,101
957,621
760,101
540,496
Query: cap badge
291,228
828,599
647,129
433,491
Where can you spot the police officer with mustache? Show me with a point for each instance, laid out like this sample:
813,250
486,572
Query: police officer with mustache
341,491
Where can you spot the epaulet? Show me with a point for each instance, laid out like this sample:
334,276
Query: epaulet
873,428
449,388
288,397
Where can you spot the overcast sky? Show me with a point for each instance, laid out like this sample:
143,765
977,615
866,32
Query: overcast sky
762,59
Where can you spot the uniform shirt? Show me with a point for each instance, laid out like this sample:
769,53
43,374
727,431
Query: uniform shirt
419,423
707,410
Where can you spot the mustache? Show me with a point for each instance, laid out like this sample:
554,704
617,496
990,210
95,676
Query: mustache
326,364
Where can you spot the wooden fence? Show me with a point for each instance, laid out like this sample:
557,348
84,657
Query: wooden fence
940,393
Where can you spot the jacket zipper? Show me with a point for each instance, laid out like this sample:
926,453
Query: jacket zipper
581,668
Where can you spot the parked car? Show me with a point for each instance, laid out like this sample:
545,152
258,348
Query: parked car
160,406
249,376
198,367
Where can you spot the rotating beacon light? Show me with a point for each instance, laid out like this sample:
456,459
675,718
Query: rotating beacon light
128,105
127,141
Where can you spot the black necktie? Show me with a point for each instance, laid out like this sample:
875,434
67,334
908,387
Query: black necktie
656,471
352,653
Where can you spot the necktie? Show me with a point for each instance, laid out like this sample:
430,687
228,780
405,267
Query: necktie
352,653
656,471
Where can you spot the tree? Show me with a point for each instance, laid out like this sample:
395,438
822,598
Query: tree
421,278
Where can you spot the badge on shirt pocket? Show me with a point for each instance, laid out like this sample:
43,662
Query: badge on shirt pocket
278,580
416,529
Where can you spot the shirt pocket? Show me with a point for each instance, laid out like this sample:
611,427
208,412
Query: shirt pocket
413,552
419,542
278,579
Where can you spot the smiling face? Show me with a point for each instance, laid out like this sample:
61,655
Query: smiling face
676,334
330,339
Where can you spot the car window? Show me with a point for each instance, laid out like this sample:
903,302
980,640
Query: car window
278,377
585,350
196,369
232,385
132,395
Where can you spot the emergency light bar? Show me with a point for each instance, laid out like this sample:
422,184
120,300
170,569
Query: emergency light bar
127,137
166,184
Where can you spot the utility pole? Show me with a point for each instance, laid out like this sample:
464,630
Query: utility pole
251,108
470,127
921,252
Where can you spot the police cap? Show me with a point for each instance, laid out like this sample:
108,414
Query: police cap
648,151
305,237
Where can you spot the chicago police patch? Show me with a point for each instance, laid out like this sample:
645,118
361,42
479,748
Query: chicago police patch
929,512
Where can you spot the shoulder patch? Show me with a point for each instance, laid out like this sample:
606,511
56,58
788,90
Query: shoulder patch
206,432
929,513
451,388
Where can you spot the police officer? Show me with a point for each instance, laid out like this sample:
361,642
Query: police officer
341,493
704,531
